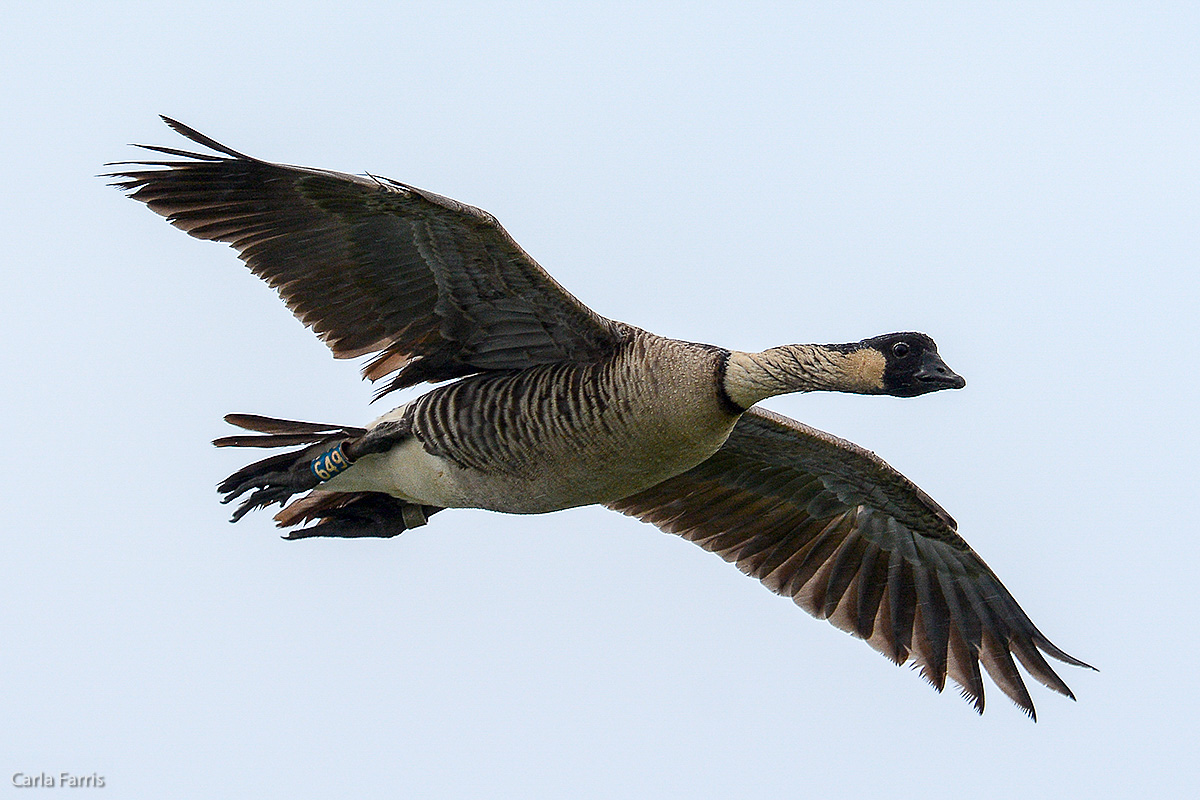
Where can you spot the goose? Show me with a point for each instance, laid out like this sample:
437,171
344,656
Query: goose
542,404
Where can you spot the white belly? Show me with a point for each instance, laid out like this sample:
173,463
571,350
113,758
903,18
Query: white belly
406,471
596,475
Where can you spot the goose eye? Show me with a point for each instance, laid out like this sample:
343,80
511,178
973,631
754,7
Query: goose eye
900,349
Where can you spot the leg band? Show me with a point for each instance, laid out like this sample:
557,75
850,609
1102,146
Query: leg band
330,463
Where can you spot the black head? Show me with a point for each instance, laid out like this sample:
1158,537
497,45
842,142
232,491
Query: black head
913,365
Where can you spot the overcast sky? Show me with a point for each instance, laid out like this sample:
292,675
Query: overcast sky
1020,181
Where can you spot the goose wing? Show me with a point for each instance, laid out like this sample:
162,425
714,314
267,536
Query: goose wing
851,540
436,288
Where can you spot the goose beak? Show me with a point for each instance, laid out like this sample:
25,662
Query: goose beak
933,374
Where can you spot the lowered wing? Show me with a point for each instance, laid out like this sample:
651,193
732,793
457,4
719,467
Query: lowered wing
851,540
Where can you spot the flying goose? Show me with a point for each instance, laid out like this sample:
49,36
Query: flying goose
551,406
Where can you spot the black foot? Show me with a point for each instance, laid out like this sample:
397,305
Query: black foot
273,480
372,515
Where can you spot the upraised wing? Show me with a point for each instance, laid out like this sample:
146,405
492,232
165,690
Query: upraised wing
436,288
851,540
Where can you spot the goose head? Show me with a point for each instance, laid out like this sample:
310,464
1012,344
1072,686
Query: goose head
911,365
899,364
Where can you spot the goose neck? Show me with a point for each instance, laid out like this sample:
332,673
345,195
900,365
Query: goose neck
751,377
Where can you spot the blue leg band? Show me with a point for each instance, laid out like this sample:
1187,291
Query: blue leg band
330,463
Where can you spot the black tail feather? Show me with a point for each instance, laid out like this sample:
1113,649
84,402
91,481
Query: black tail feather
261,424
269,440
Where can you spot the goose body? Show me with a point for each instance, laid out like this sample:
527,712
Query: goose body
556,436
542,405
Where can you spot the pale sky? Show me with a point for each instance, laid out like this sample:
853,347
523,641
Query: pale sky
1020,181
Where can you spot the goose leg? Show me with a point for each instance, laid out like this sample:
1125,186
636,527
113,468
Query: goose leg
380,439
372,515
276,479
